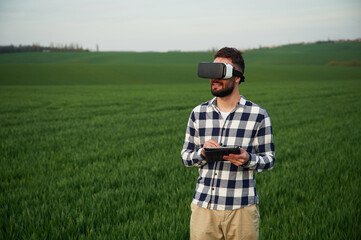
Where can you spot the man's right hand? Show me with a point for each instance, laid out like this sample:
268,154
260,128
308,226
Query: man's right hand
209,144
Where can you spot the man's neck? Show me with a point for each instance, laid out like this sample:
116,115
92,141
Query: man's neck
228,103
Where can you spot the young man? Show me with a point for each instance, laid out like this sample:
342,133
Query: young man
225,203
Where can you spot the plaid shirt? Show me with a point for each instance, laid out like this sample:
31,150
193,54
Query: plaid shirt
222,185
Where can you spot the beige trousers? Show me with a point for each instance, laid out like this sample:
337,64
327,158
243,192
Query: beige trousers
207,224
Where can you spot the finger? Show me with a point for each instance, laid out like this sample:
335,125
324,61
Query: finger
214,143
232,159
236,161
211,143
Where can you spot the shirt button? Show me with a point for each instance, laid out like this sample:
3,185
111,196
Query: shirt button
212,188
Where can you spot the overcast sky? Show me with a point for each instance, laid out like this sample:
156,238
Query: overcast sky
186,25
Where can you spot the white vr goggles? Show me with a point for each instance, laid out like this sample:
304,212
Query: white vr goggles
218,71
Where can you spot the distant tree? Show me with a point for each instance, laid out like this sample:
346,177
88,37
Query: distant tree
35,47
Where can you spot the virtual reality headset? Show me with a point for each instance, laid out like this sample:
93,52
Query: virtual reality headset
218,71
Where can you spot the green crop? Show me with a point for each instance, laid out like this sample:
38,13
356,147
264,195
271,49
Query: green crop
90,143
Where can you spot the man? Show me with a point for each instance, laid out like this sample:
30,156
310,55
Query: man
225,203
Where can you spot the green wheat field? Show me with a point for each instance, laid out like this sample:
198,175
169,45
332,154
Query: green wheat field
90,142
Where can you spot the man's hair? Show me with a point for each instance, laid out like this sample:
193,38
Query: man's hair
232,53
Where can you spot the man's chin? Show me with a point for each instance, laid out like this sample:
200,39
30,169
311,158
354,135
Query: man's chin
221,93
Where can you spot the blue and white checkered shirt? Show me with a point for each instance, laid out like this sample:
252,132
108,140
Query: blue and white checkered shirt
223,185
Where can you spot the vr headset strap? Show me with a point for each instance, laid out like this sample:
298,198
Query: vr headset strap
238,74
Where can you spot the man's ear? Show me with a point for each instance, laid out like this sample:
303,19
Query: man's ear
237,80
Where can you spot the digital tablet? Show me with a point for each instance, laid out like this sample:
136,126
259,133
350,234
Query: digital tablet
217,153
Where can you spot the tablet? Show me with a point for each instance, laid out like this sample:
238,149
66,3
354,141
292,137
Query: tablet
217,153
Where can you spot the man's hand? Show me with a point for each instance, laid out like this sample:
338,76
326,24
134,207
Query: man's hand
209,144
238,159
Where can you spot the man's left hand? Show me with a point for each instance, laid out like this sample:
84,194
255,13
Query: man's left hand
238,159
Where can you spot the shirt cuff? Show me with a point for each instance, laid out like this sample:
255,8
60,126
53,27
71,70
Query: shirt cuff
202,160
249,163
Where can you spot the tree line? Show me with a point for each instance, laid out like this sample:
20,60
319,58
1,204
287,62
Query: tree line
73,47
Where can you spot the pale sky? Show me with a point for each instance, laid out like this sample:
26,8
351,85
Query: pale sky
186,25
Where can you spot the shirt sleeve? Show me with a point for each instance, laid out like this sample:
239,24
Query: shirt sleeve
192,151
263,158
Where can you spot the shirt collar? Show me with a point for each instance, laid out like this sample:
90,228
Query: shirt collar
241,103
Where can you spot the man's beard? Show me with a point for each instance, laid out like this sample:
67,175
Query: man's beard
226,91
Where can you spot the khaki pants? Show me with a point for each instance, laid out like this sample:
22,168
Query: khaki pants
224,224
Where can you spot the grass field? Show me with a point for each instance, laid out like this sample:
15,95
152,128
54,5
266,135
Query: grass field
90,142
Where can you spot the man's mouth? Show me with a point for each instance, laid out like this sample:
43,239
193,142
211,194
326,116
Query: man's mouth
216,84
